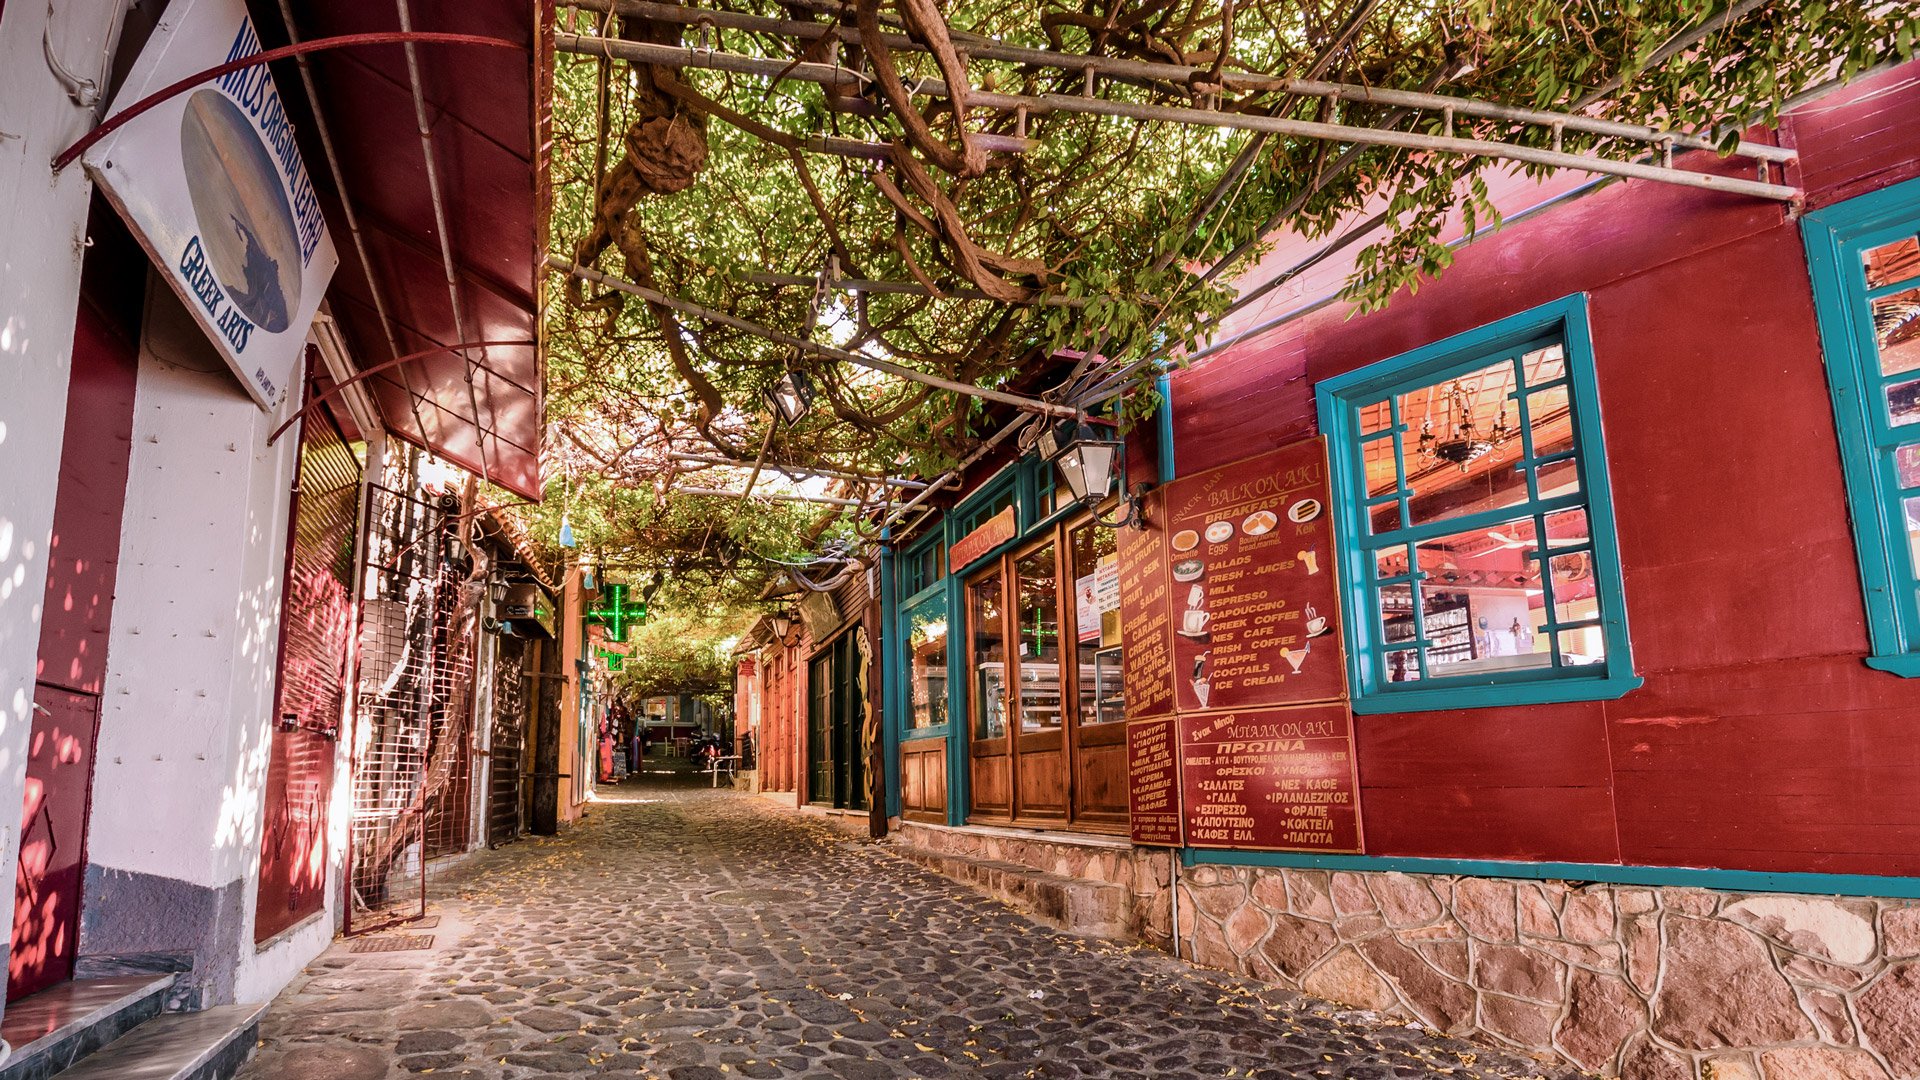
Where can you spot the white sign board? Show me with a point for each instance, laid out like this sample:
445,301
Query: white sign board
212,183
1095,596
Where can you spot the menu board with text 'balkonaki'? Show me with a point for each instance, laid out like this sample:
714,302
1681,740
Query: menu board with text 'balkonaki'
1230,615
1271,779
1254,607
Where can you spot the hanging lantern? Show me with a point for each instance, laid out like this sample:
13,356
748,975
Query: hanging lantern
566,532
791,398
1086,461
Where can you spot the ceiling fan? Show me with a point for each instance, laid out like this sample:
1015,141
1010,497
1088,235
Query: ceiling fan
1510,543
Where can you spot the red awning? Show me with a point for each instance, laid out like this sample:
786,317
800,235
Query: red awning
488,114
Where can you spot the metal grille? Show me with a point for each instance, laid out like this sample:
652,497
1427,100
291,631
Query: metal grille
316,629
450,769
509,721
393,943
413,713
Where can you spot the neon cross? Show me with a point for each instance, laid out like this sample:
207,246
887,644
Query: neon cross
616,614
614,660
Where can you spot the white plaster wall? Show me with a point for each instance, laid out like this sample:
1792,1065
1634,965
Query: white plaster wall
263,972
187,721
42,233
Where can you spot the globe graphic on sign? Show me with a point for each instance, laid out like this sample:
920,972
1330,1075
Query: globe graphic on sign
246,223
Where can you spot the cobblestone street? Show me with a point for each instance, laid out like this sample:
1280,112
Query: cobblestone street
690,934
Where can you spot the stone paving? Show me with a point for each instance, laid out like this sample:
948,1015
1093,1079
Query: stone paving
683,933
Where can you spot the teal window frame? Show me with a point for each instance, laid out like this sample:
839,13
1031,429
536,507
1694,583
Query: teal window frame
927,554
1835,239
1339,401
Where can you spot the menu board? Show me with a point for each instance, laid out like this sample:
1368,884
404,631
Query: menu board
1146,663
1252,601
1270,779
1153,781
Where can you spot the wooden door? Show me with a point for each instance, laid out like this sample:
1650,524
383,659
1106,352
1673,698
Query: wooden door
989,745
316,631
1097,729
820,681
1044,695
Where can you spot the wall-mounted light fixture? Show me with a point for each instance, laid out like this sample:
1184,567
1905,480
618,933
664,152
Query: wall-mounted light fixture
1089,461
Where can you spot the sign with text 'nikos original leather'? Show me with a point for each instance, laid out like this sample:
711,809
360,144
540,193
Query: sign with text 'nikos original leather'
212,183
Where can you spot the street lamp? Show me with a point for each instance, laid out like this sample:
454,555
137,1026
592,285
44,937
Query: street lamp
791,398
782,622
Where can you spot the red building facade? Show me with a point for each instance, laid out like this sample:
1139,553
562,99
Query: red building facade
1625,562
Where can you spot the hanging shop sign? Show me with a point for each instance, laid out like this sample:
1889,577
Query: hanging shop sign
990,534
820,612
1271,779
212,183
1255,608
1153,781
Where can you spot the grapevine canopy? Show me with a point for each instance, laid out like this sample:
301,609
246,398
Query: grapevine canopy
1044,200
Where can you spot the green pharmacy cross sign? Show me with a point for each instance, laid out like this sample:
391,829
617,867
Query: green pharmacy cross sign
614,660
616,614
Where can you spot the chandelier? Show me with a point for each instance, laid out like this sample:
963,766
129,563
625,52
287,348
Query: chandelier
1460,440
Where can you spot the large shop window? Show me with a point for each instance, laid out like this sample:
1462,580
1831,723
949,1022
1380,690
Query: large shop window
927,663
1865,261
1043,689
1476,527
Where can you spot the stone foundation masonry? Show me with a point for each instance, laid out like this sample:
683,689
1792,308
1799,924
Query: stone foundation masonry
1130,898
1634,982
1643,983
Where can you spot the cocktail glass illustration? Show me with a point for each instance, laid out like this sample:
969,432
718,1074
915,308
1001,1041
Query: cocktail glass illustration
1296,657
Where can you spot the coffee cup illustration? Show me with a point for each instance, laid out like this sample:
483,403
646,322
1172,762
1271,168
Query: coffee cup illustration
1194,621
1316,623
1310,557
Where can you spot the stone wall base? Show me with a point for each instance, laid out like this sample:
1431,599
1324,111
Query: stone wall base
1097,886
1641,983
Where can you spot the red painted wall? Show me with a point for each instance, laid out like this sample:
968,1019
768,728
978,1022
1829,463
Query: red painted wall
1760,740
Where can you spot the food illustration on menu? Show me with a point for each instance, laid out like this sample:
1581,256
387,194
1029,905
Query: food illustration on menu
1253,597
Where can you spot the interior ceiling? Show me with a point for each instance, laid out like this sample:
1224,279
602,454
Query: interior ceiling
488,143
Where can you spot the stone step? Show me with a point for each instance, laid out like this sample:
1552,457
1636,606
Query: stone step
1076,905
50,1030
207,1045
